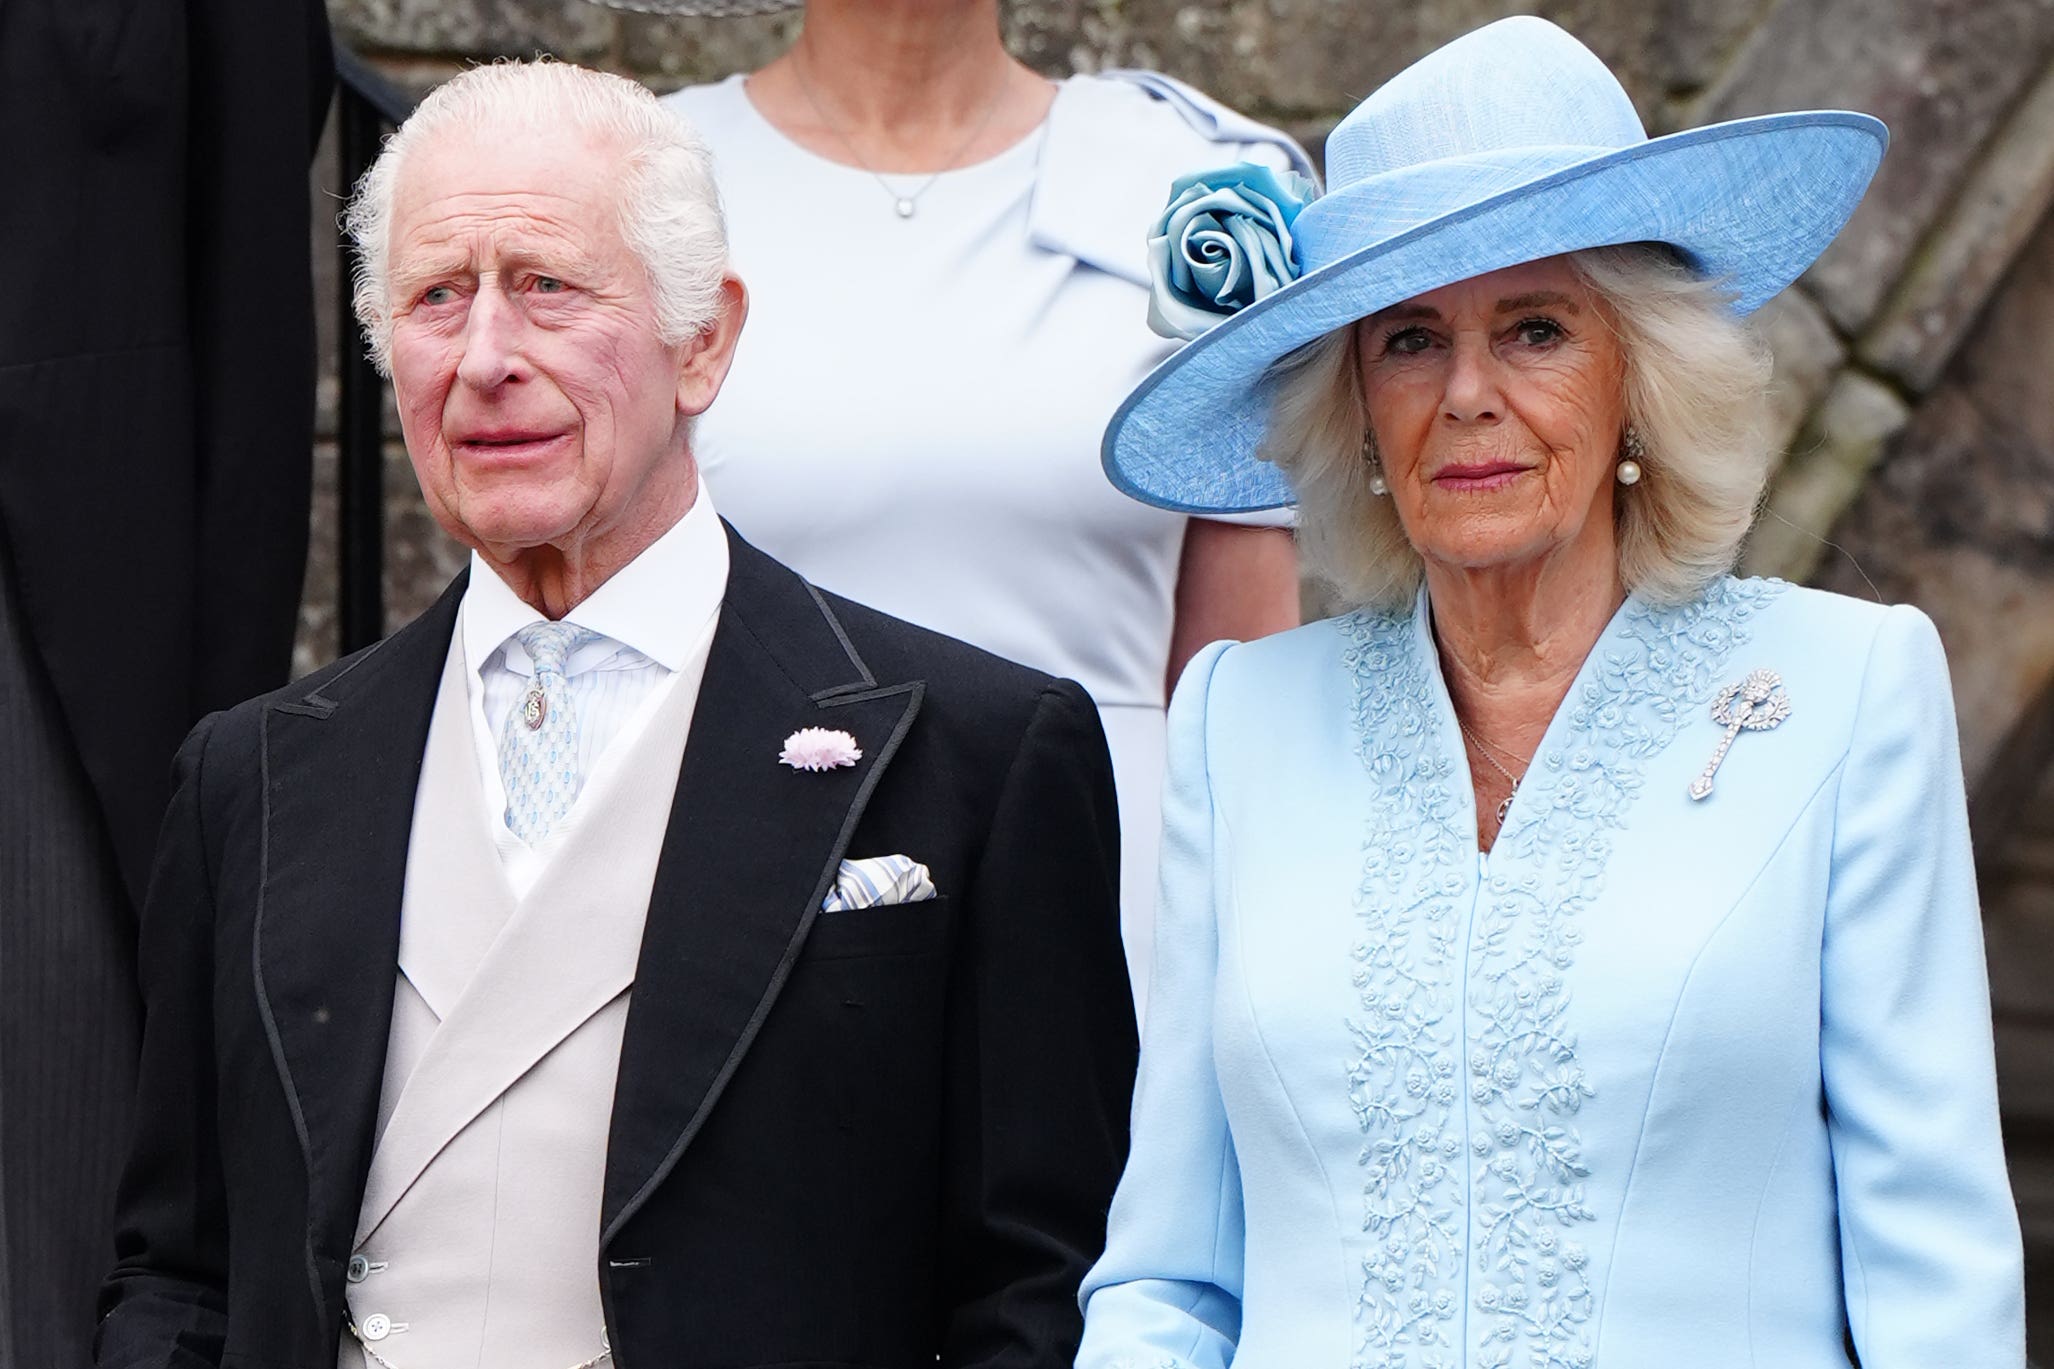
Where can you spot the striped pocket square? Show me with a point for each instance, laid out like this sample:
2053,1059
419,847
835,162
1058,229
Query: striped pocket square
877,881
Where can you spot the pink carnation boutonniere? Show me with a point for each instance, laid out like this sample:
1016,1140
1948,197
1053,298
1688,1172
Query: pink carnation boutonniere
818,748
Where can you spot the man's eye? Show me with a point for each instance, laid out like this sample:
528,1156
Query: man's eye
549,285
1539,332
437,294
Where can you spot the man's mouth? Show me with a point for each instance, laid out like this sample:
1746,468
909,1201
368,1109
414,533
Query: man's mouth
507,442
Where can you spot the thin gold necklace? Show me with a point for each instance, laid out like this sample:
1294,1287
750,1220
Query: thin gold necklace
1484,749
904,202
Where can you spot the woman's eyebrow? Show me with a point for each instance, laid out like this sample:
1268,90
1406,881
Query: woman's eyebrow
1406,311
1540,299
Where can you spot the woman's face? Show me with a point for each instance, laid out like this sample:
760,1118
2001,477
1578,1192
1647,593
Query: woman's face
1498,404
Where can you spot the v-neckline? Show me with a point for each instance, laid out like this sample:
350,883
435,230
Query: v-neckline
1450,738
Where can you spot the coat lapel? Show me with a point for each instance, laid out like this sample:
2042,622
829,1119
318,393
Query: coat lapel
752,849
340,766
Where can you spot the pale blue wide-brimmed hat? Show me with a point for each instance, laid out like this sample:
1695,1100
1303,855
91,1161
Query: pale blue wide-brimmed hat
1509,145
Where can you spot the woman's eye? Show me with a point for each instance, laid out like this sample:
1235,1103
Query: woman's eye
1406,342
1538,332
549,285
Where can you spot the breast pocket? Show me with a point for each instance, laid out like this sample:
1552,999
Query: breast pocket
891,929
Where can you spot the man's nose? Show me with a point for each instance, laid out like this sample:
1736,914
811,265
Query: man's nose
492,341
1472,394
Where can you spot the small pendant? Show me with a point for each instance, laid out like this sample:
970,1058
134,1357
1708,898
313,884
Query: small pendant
904,206
1506,807
534,708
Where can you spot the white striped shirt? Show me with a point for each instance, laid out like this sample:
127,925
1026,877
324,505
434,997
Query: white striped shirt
654,617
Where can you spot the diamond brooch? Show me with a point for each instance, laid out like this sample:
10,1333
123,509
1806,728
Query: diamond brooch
1754,704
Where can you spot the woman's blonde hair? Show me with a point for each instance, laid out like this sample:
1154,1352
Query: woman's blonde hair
1696,392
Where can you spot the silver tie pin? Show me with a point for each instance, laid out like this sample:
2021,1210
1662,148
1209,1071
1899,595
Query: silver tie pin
1754,704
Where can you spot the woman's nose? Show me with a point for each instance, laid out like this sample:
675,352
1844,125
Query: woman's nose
1472,394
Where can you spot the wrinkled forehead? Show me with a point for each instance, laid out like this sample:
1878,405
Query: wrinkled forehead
535,187
1549,281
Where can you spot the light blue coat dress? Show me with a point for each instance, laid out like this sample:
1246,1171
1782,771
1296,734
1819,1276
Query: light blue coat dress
1655,1084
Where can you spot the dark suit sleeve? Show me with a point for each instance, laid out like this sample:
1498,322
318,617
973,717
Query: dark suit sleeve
164,1306
1042,1047
261,80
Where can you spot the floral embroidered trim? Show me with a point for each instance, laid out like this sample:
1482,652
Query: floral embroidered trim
1401,1074
1528,1284
1531,1282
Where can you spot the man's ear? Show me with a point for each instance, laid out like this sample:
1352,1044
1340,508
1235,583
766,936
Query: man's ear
704,364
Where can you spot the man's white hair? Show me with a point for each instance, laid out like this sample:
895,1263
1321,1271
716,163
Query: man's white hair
668,204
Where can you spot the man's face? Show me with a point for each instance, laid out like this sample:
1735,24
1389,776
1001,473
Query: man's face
539,405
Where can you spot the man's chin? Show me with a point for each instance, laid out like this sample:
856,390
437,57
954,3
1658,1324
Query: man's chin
507,534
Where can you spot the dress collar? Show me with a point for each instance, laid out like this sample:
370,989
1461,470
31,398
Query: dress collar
658,604
1115,142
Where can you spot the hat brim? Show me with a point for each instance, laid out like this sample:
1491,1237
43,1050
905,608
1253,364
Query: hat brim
1752,203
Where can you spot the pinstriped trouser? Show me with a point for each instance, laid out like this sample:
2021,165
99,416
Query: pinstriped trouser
68,1020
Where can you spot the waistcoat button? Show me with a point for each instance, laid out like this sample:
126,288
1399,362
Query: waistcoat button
377,1326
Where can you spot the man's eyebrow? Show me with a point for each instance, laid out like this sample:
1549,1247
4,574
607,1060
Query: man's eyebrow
1540,299
429,268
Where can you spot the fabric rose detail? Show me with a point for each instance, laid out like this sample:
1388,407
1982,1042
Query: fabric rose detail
1223,243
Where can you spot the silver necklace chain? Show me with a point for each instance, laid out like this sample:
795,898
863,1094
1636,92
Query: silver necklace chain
1484,749
904,202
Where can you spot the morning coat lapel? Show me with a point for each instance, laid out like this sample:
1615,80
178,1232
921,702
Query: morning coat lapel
340,765
752,849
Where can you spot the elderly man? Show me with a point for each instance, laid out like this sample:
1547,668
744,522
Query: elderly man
642,956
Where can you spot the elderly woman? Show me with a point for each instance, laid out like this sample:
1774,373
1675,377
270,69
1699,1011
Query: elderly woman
1572,956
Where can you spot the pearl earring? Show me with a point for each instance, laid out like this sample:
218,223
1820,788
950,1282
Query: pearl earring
1633,452
1377,484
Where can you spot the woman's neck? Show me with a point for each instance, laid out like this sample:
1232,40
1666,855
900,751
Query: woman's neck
1512,639
903,87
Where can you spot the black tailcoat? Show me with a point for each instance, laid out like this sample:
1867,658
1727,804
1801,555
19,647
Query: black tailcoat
156,425
878,1138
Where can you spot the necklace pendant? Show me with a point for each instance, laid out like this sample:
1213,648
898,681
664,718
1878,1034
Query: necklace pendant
1506,807
904,206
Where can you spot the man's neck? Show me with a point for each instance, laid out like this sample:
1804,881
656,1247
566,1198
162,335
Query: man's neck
555,578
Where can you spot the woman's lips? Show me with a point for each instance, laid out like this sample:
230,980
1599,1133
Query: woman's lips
1480,477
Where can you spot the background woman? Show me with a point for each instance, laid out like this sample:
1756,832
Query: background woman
1572,957
946,262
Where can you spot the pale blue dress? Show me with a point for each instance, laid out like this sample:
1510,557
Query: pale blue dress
1654,1084
915,408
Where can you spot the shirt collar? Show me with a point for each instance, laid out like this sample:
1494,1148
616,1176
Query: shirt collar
657,604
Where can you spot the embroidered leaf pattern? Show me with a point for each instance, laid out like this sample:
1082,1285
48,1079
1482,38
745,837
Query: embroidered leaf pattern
1464,1031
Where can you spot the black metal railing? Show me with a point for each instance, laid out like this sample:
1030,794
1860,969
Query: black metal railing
366,105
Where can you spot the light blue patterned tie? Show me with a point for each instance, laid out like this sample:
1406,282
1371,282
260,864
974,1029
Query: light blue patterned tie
538,741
